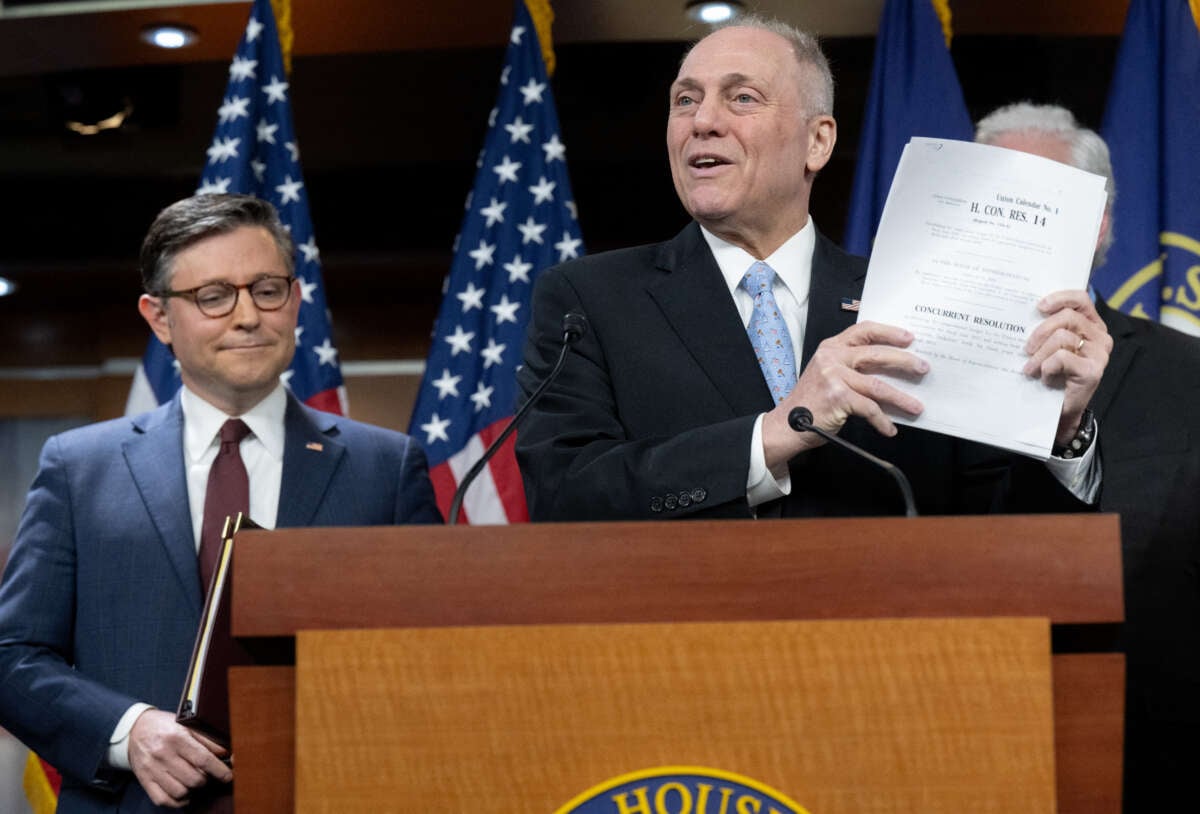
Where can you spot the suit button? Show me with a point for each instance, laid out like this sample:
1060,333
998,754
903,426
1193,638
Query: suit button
698,495
685,499
656,504
671,502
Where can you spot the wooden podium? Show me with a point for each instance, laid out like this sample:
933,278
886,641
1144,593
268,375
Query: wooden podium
855,665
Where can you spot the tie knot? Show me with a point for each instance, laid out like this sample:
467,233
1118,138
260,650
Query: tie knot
233,431
760,277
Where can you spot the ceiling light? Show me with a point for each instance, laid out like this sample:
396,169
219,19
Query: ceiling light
7,286
169,36
712,11
112,122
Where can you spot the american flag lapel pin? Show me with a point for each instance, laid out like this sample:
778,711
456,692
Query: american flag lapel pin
849,304
314,446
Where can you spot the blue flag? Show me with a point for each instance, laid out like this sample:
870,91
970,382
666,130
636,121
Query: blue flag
1152,126
254,152
914,92
520,219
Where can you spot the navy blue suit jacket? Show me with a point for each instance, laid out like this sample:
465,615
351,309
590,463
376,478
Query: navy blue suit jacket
101,595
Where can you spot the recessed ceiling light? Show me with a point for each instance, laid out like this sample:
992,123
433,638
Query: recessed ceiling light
169,36
712,11
7,286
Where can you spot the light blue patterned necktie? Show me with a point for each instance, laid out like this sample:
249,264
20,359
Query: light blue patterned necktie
769,333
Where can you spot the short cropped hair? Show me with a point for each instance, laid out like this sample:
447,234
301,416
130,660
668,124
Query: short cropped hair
1088,150
187,222
807,50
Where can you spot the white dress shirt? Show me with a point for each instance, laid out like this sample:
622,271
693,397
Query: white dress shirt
262,453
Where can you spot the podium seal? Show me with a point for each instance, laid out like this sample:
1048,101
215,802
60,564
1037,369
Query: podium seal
682,790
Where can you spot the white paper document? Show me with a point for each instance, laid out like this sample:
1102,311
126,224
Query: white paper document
971,237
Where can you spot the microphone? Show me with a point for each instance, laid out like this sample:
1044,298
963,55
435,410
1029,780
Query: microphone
800,419
574,327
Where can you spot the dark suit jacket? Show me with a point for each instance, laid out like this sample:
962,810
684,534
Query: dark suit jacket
653,414
1148,406
101,595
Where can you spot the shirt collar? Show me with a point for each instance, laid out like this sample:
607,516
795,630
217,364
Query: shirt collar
202,421
792,261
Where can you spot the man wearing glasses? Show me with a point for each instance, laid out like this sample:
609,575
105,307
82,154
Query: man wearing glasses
103,590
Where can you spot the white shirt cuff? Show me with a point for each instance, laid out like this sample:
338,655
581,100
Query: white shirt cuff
118,743
761,484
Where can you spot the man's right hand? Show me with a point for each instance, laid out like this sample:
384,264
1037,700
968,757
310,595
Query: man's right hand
170,760
839,382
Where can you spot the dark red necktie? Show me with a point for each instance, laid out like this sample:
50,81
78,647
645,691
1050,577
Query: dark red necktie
228,493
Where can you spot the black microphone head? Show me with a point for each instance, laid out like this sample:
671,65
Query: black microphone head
800,419
574,326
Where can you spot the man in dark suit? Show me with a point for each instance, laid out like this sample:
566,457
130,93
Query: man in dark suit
1147,410
665,408
102,593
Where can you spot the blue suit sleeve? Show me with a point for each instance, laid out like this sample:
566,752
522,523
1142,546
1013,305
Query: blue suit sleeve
63,716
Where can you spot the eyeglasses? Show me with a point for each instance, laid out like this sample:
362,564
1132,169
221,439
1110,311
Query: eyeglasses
219,299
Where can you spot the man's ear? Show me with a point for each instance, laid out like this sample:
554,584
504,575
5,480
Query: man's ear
822,135
154,311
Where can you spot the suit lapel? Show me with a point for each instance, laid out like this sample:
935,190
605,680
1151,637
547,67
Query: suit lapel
311,455
154,456
693,297
833,277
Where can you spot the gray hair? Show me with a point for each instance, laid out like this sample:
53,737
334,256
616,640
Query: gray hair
1088,150
807,50
187,222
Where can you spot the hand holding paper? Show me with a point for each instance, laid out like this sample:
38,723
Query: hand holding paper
1071,345
842,380
973,238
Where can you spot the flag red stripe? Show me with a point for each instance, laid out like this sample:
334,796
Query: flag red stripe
444,485
52,777
326,400
505,472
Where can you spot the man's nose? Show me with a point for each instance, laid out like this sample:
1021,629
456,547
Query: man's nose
709,118
245,312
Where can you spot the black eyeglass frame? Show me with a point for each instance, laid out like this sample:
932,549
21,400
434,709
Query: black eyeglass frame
193,294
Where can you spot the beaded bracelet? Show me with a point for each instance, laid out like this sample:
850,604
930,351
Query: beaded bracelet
1084,436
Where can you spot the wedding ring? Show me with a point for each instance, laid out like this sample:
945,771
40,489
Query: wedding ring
1079,347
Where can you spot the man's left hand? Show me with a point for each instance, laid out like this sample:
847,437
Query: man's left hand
1069,349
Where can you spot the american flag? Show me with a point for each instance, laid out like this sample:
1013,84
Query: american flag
254,152
520,219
